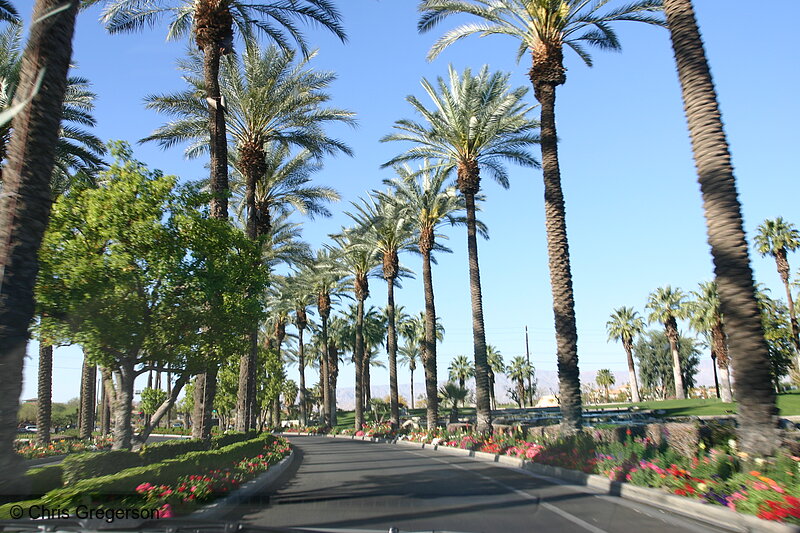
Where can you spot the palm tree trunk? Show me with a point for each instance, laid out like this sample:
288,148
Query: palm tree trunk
333,374
359,358
429,346
632,373
328,403
44,403
301,363
758,414
412,387
25,206
560,270
367,384
520,393
391,350
677,376
245,394
783,271
725,392
482,407
88,382
105,404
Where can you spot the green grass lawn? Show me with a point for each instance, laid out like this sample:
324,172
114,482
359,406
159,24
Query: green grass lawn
788,404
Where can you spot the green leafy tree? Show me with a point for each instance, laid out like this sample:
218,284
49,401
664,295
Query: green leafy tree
605,378
666,305
653,350
151,400
133,272
477,123
757,411
545,27
625,325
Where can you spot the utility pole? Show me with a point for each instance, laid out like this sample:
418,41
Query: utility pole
528,358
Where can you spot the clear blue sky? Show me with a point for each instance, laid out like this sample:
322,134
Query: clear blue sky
634,213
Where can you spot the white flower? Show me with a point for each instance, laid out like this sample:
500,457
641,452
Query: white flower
436,441
732,444
759,461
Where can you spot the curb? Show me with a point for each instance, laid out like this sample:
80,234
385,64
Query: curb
220,507
711,514
43,460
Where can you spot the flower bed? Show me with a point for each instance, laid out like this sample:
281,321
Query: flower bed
378,430
34,450
715,474
190,491
311,430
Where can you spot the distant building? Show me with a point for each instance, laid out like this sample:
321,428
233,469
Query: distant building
547,401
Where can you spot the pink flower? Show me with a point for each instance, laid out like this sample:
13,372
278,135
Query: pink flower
165,511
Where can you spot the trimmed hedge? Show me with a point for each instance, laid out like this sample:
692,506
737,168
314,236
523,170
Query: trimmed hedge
168,449
94,464
220,441
111,487
44,479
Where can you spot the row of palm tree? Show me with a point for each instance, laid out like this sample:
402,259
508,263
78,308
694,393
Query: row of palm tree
477,122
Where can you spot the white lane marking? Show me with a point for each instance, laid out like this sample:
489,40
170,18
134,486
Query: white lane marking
552,508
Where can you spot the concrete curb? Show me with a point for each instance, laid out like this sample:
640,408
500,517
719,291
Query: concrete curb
220,507
711,514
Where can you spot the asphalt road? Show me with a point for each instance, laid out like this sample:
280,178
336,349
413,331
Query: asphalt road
345,484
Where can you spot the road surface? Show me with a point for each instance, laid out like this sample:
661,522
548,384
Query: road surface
359,485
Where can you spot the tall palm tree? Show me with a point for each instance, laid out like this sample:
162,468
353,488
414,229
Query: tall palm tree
211,23
544,27
409,355
496,366
776,238
624,326
460,369
302,295
705,316
429,204
666,305
385,228
757,411
25,203
477,122
327,278
519,370
359,260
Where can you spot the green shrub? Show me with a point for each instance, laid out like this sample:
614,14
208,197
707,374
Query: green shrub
95,464
5,510
159,451
111,487
44,479
220,441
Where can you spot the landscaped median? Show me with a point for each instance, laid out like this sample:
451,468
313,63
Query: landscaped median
689,469
173,477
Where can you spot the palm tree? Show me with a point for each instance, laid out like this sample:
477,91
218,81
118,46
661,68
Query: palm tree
544,27
605,378
384,227
625,325
452,394
428,204
477,123
409,355
7,12
326,277
461,369
302,295
705,316
519,371
776,238
496,366
757,411
25,202
666,305
359,260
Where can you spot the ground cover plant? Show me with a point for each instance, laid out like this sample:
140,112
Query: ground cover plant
716,473
35,450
